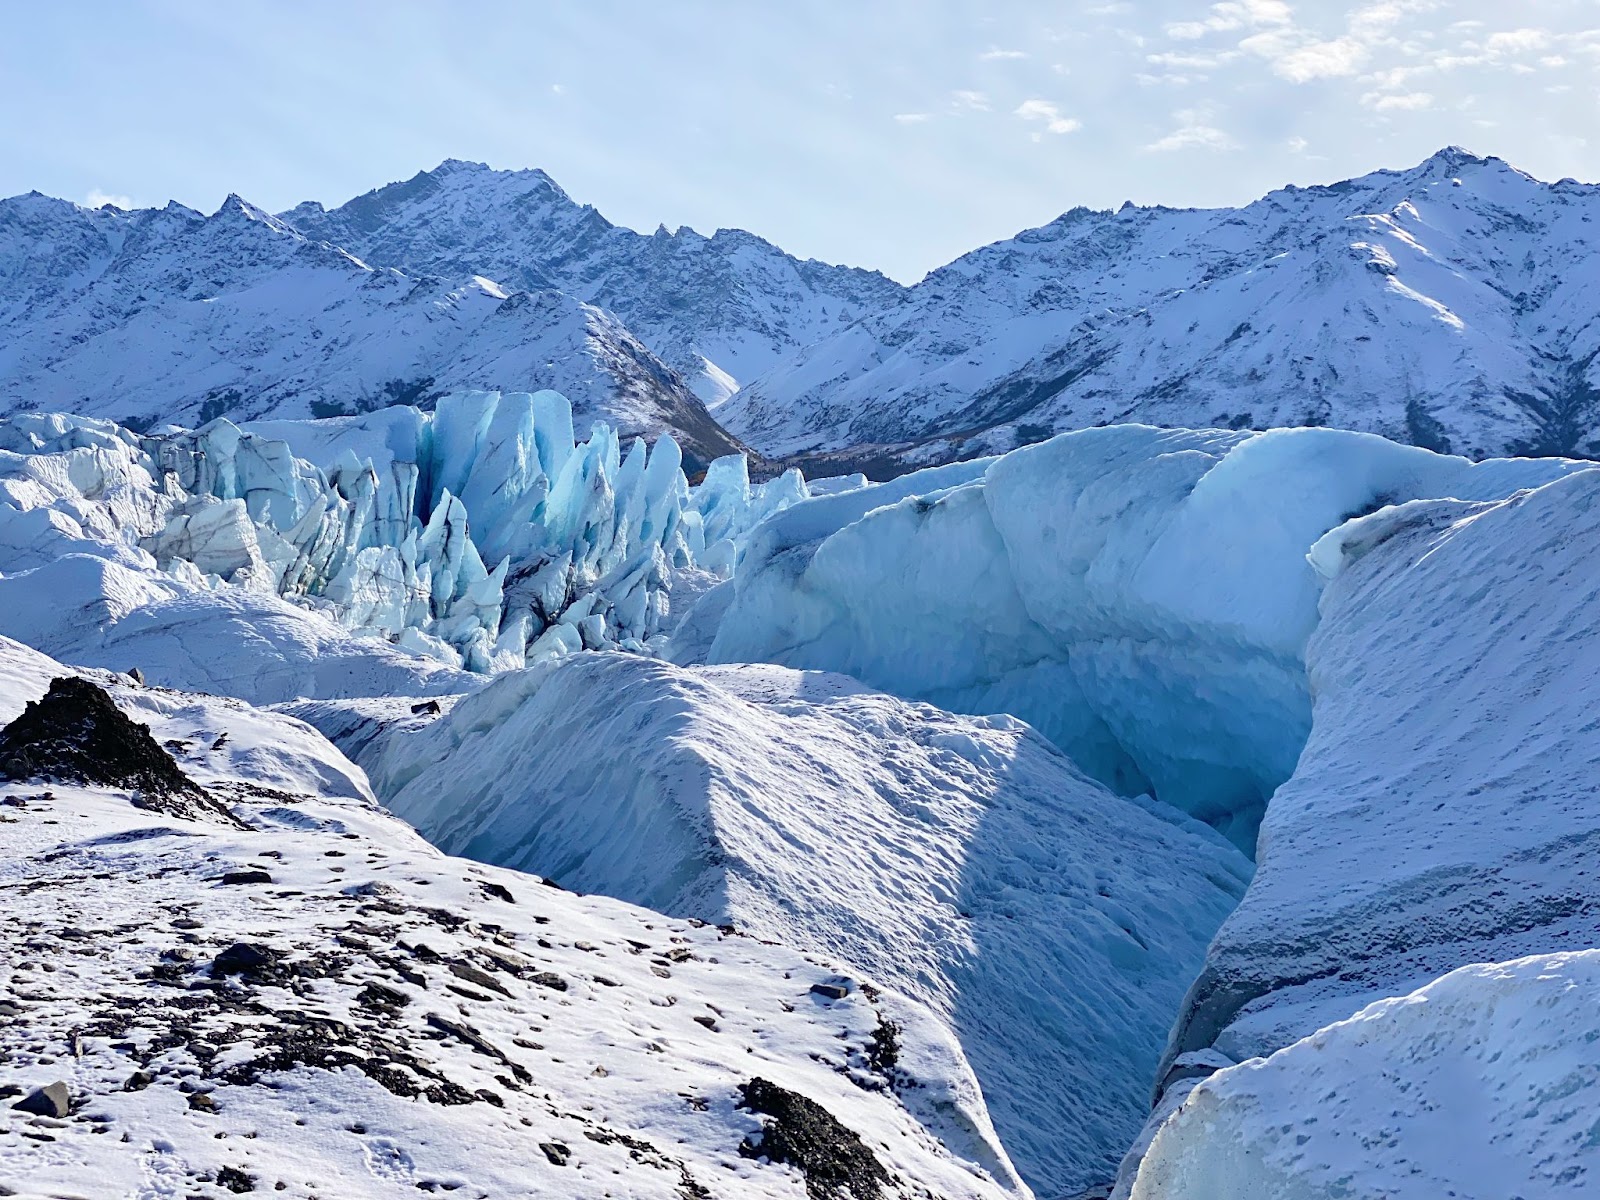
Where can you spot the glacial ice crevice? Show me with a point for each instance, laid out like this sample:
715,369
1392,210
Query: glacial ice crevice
1141,596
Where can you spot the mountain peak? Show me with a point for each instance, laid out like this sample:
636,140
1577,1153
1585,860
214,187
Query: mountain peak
461,166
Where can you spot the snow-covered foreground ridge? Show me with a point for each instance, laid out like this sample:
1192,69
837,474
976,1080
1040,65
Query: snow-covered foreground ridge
480,534
285,991
1140,596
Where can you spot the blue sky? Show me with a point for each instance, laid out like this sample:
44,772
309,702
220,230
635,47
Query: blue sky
888,134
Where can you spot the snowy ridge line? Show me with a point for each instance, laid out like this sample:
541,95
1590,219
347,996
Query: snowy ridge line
167,315
718,310
391,532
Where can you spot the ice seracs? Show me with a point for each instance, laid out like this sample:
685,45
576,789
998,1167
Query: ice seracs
479,534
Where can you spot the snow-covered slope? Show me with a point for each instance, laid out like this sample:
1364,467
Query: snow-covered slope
290,993
1453,305
1482,1084
1139,595
962,860
720,310
168,315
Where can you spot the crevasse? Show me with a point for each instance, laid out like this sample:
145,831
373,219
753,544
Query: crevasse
1141,596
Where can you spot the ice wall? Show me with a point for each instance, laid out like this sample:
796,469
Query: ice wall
1140,595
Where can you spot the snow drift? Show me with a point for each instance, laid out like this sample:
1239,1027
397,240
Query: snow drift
963,860
305,999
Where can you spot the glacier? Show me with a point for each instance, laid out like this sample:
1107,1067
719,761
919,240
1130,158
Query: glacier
1141,596
390,534
989,746
964,861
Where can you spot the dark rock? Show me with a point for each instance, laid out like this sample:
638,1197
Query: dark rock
830,991
137,676
52,1100
77,733
238,877
375,995
497,892
556,1152
832,1158
137,1082
426,708
202,1102
249,959
549,979
236,1180
482,979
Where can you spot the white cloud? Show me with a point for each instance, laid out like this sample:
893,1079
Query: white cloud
1237,14
1517,41
978,101
1401,101
1300,61
911,118
1049,114
1194,132
1297,145
995,54
98,199
1193,62
558,89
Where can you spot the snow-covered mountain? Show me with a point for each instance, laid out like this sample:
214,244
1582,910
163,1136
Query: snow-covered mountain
1453,305
165,315
719,310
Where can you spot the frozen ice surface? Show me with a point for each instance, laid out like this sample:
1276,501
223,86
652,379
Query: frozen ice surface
962,860
479,536
1442,812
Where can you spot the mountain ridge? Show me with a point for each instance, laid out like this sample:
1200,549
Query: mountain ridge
1442,304
717,308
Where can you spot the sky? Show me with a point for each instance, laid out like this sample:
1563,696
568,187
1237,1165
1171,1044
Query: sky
884,133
